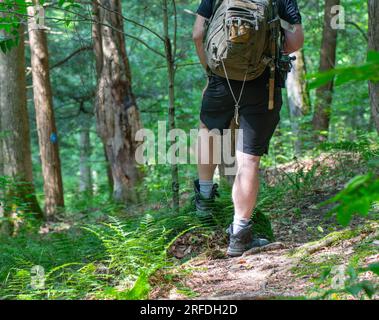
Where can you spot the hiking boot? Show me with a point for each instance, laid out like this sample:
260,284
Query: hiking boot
205,206
243,241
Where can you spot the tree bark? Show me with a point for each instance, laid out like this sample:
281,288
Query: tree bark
170,60
98,51
117,114
324,94
47,131
373,9
85,185
15,149
298,98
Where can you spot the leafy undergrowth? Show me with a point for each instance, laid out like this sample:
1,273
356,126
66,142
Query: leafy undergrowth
109,260
160,255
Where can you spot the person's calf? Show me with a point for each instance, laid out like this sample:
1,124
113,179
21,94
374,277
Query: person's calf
205,152
246,185
205,189
245,191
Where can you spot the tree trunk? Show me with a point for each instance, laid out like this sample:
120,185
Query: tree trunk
117,114
98,51
15,150
47,131
85,185
170,59
373,9
324,94
298,98
109,172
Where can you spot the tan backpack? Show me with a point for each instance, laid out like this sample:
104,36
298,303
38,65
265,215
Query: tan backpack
242,40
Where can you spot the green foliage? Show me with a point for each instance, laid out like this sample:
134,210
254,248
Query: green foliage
10,12
301,179
342,75
364,145
262,226
20,254
374,267
139,291
112,260
13,14
350,283
136,252
357,198
14,196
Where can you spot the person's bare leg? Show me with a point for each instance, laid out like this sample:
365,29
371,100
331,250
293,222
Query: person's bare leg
246,185
205,166
245,192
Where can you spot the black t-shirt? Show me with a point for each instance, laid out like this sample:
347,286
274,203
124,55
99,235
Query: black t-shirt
288,10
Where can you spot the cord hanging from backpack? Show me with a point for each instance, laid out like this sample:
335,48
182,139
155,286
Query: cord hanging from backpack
237,102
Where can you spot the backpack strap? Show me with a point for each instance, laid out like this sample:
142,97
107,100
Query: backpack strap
215,5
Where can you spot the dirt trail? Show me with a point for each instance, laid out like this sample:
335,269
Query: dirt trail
258,276
268,273
306,242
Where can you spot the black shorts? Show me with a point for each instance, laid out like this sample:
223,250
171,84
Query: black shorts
256,121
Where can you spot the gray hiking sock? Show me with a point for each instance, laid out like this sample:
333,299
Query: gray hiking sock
239,224
206,187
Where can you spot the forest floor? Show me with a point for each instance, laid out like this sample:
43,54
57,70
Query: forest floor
308,254
99,251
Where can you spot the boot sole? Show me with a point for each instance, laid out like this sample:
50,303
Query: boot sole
234,254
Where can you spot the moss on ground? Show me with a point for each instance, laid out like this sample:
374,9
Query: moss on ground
363,250
319,267
308,267
331,239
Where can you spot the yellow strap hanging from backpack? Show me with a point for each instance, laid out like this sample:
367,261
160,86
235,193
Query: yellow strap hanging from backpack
275,25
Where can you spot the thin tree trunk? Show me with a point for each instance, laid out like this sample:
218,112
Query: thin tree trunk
109,172
47,131
170,59
98,51
117,114
85,184
298,98
324,94
373,9
15,149
96,37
